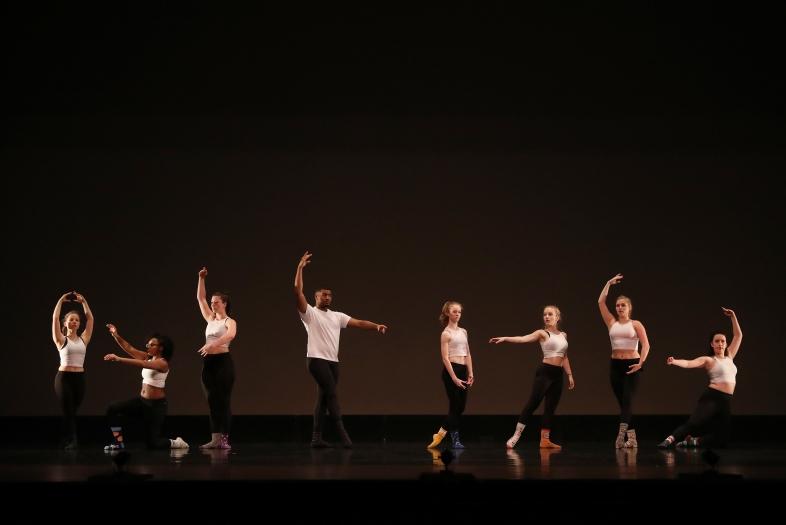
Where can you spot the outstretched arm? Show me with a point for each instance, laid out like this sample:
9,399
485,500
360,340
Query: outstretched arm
207,313
155,364
302,304
88,333
537,335
57,334
641,332
443,345
367,325
699,362
736,340
608,318
137,354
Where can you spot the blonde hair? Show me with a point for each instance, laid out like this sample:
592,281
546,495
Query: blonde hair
445,315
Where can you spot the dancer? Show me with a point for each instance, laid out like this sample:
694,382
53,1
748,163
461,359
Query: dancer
626,361
711,420
70,378
548,376
323,327
457,372
218,369
151,404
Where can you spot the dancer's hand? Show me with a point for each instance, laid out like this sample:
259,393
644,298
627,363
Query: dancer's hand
459,383
669,360
381,328
497,340
634,368
571,383
111,357
203,272
614,280
304,260
470,380
112,330
728,312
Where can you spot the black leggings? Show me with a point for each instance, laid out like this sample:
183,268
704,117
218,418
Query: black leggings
325,373
548,384
70,390
457,397
152,412
218,378
710,421
624,386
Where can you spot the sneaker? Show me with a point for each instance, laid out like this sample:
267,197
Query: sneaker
665,444
114,446
178,443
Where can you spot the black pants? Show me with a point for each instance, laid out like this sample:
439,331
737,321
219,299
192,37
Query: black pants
152,412
624,386
457,397
218,378
710,421
547,384
325,373
70,390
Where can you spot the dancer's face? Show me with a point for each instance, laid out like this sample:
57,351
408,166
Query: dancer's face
623,309
153,347
72,322
719,344
550,317
218,305
454,313
323,298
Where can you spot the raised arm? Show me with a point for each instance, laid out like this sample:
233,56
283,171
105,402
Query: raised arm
160,365
367,325
444,340
736,340
302,304
137,354
537,335
641,332
57,334
608,318
204,307
88,332
699,362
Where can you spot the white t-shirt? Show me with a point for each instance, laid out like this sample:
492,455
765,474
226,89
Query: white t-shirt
323,329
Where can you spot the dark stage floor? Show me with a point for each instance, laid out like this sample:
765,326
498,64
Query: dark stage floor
395,461
404,482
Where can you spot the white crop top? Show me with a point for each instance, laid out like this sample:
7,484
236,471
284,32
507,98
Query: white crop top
457,346
216,329
723,371
623,336
154,377
555,346
73,353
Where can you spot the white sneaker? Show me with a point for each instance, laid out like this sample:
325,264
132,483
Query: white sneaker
178,443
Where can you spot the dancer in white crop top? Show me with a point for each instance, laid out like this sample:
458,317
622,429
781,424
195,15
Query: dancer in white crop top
548,376
218,368
709,424
457,372
72,347
625,365
151,404
323,328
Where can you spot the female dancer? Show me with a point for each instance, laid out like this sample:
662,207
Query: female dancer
710,422
457,374
626,362
151,404
548,376
70,378
218,370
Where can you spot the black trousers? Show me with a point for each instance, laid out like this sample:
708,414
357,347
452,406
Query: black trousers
218,378
457,397
624,386
151,411
70,391
548,384
325,373
710,421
